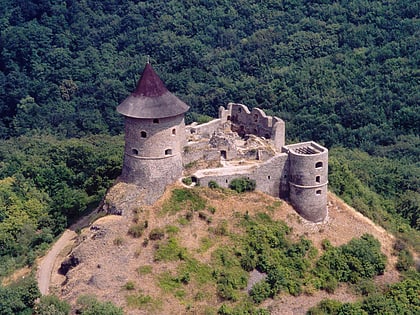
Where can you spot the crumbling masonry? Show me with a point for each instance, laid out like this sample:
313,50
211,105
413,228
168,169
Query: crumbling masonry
242,143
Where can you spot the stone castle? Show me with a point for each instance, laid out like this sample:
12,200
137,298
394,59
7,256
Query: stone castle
160,149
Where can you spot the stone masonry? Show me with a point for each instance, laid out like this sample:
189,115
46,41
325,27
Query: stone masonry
242,142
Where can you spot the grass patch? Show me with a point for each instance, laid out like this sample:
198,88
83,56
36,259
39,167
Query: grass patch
170,251
183,199
129,286
206,243
202,273
141,301
144,270
169,283
171,230
136,230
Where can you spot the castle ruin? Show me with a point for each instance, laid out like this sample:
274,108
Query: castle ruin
241,143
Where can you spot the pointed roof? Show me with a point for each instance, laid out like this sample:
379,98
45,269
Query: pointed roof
151,99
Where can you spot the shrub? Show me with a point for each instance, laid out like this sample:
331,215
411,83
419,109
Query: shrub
243,184
260,291
144,270
136,230
129,285
157,234
89,305
50,304
213,184
187,181
170,251
118,241
405,260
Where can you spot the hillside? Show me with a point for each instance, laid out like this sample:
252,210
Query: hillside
125,270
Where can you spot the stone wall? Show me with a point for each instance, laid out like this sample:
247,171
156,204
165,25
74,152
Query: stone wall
269,176
256,122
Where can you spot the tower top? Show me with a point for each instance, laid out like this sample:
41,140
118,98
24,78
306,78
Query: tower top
151,99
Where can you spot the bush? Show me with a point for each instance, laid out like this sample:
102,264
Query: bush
213,184
260,291
187,181
50,304
157,234
243,184
405,260
89,305
136,230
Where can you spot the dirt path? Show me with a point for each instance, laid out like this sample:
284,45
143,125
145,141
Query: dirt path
46,263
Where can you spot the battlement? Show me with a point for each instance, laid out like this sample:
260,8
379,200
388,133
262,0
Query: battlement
305,148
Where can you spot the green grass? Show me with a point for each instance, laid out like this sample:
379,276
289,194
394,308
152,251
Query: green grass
170,251
183,199
144,270
141,301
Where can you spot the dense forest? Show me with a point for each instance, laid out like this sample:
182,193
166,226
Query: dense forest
343,73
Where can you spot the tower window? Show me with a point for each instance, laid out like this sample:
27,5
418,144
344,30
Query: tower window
135,151
174,132
155,121
255,118
318,192
318,179
318,165
168,152
143,134
269,177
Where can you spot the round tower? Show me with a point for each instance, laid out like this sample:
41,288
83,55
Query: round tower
154,136
308,180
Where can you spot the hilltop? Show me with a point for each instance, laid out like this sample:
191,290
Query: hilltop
139,273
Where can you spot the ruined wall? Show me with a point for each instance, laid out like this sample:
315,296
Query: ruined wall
269,176
201,150
256,122
205,130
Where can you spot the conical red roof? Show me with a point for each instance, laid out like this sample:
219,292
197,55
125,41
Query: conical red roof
151,99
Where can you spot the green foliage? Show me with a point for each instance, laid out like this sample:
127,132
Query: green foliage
260,292
19,297
241,308
51,305
405,260
129,285
136,230
187,181
156,234
144,270
184,199
243,184
360,258
45,183
89,305
399,298
170,250
141,301
213,184
382,189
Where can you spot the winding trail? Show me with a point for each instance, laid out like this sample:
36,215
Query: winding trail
46,263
